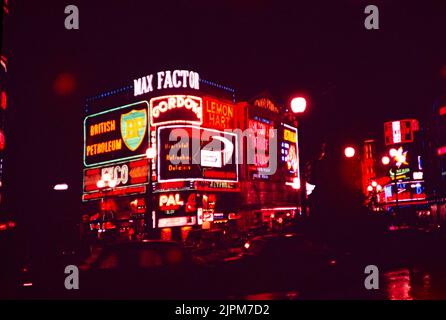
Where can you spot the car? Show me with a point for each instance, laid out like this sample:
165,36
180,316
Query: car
213,245
149,269
277,263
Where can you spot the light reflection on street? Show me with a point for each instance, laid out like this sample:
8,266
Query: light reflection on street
404,284
398,284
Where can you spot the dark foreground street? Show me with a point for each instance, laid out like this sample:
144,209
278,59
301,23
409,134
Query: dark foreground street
288,265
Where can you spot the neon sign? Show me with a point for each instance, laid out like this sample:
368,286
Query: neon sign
290,155
116,134
401,131
263,132
441,151
125,174
177,221
400,174
181,156
170,201
267,104
218,114
166,80
176,108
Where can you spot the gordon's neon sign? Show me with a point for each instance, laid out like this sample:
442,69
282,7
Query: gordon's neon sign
175,109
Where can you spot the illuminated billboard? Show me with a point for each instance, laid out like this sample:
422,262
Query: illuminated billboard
218,114
129,173
263,132
194,153
116,134
176,108
401,131
289,155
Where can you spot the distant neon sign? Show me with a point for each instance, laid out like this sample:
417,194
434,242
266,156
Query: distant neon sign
402,131
443,111
441,151
177,221
267,104
263,132
290,155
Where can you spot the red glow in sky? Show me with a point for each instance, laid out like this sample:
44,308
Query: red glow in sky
64,84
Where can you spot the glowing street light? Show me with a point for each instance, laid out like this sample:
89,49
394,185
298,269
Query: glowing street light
298,105
374,184
151,153
112,183
379,188
393,152
349,152
61,187
369,188
100,184
106,177
385,160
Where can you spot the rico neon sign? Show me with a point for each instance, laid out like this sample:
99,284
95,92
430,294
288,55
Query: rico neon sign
166,80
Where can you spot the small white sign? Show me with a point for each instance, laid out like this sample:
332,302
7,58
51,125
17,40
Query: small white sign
211,158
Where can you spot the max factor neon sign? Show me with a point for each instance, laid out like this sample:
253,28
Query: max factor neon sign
166,80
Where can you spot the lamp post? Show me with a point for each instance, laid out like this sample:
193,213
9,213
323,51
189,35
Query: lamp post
298,106
150,155
349,152
105,184
396,159
373,190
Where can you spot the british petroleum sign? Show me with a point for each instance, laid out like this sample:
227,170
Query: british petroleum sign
117,134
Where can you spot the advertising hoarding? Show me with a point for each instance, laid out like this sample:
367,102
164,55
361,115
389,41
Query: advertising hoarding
194,153
116,134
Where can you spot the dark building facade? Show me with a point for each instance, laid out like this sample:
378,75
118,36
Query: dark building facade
437,160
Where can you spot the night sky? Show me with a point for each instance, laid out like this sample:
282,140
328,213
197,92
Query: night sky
355,78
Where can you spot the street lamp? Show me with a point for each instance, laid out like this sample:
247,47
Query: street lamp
298,105
397,158
60,187
105,184
349,152
151,156
374,188
151,153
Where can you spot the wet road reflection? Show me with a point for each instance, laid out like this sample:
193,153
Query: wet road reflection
412,284
398,284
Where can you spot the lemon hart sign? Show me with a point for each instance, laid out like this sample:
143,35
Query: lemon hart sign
117,134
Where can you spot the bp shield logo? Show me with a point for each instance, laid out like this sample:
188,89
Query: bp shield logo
134,128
